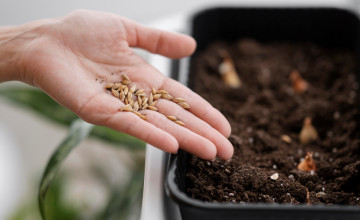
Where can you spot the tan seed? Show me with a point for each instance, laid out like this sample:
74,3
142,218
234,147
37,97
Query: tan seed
136,106
153,103
115,93
127,108
132,89
162,92
125,77
131,102
286,138
139,91
153,90
143,117
122,95
179,122
172,118
116,86
156,96
144,106
126,90
129,96
166,96
151,108
177,100
184,105
137,113
145,100
125,82
108,86
126,102
151,98
275,176
139,100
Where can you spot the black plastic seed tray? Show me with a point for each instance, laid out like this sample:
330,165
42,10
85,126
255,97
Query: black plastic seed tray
329,27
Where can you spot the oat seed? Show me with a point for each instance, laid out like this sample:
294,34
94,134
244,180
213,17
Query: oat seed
127,108
132,89
139,91
177,100
108,86
156,96
136,106
152,108
126,90
172,118
179,122
125,77
184,105
122,95
166,96
115,93
153,91
162,92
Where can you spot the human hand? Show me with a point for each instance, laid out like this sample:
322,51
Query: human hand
68,57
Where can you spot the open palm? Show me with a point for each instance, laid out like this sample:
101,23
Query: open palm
71,58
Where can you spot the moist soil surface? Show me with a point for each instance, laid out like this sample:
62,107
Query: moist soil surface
265,108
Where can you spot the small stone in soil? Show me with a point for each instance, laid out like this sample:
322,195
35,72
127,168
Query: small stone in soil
275,176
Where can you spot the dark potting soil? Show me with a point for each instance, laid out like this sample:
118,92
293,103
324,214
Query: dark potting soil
264,109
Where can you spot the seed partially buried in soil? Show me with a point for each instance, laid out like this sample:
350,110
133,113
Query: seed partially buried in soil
308,164
299,85
228,72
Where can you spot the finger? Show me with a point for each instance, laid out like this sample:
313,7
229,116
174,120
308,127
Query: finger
198,106
224,147
104,109
188,140
173,45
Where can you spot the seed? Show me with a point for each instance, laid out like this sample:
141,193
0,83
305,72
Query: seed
153,103
125,77
126,90
145,99
162,92
115,93
153,90
177,100
151,98
116,86
172,118
122,95
127,108
131,102
139,100
132,89
308,132
151,108
275,176
286,138
125,82
320,194
136,106
298,83
108,86
184,105
144,106
129,96
126,102
179,122
308,164
156,96
228,72
137,113
139,91
166,96
143,117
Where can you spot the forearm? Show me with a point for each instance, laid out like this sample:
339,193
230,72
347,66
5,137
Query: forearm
13,41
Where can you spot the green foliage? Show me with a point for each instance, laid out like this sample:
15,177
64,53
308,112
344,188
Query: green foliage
79,131
42,104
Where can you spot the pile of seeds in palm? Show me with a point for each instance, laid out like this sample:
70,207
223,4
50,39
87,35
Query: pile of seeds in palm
135,99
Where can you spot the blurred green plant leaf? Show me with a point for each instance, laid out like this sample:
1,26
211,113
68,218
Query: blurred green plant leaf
41,103
79,130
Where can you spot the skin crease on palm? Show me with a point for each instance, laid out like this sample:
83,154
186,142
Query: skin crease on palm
67,56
